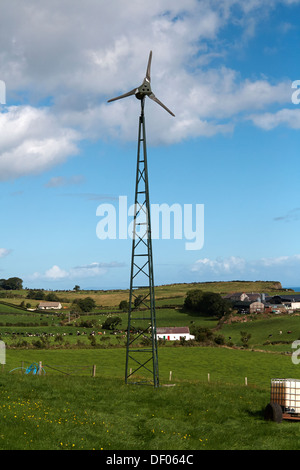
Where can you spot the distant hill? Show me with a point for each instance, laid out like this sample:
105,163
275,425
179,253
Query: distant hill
224,287
162,292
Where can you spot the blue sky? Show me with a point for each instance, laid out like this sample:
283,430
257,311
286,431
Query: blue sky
225,68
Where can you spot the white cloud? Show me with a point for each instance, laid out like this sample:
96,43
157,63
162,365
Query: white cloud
55,273
32,141
285,268
75,55
281,261
4,252
220,266
286,117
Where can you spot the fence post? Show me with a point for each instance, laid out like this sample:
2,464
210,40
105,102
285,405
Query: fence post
40,368
208,377
94,371
246,381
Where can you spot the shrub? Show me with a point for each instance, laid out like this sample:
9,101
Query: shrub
111,323
219,339
207,303
124,305
86,305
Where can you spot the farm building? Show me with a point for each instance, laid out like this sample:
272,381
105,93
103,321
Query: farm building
49,306
242,306
174,333
236,297
256,307
276,308
243,297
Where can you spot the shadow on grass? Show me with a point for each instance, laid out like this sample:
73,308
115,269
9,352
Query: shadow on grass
258,415
193,316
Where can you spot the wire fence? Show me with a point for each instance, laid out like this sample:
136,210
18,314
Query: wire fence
38,368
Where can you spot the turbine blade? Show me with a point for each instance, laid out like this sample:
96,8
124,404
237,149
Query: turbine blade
148,72
132,92
153,97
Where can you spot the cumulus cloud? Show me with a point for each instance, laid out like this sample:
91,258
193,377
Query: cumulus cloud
73,56
286,117
32,141
4,252
55,273
272,268
219,266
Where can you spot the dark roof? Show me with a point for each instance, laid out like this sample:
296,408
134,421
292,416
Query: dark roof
172,330
242,304
284,298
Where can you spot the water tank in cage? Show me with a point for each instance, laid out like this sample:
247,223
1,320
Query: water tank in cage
286,392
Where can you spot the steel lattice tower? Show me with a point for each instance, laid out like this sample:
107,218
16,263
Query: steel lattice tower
141,353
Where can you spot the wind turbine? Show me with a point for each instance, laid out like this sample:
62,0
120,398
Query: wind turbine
141,351
144,89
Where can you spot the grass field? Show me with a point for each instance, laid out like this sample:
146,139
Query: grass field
67,408
57,411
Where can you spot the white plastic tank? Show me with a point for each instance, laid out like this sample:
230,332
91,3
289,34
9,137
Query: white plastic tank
286,392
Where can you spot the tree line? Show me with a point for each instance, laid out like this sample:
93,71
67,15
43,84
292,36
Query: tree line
12,283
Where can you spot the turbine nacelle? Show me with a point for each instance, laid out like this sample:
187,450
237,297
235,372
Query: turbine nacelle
144,90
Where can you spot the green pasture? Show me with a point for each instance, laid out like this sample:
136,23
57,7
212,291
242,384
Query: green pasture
227,366
10,309
15,327
280,330
203,401
78,411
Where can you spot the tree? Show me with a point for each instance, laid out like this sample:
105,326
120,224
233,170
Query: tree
245,338
36,295
87,304
124,305
202,335
76,288
193,299
111,323
75,310
207,303
138,301
52,297
13,283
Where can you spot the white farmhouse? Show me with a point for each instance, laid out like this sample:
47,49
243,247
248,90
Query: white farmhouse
49,306
174,333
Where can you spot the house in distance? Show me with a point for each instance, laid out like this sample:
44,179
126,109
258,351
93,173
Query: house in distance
174,333
49,306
